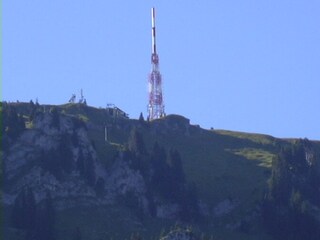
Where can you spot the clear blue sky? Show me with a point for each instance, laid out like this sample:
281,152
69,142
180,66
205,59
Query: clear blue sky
244,65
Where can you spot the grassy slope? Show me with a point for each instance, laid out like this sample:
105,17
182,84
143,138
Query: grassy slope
222,166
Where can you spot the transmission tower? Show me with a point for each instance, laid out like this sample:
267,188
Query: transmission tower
155,106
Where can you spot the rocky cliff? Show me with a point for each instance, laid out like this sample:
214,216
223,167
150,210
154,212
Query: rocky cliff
55,154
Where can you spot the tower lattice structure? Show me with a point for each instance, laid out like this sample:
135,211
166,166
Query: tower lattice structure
156,105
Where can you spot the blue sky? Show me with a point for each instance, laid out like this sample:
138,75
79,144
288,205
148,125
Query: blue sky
245,65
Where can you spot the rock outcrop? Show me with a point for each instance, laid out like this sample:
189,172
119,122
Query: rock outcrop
180,234
56,155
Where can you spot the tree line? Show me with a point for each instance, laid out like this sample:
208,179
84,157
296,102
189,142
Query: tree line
36,220
164,175
293,191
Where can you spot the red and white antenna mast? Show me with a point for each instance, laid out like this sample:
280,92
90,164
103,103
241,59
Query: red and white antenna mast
155,106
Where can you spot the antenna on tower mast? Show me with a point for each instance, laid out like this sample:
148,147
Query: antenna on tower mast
155,106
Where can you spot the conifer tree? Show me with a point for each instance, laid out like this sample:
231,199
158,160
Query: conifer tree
55,117
24,210
18,212
80,163
176,167
99,187
89,171
46,220
77,234
12,123
160,180
141,118
136,143
65,154
279,183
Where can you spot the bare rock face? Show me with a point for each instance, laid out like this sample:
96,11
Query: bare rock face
123,180
224,207
168,211
56,155
26,159
180,234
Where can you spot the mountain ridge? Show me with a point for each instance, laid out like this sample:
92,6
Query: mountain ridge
230,170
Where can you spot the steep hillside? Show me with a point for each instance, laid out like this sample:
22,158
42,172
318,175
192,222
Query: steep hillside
101,183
